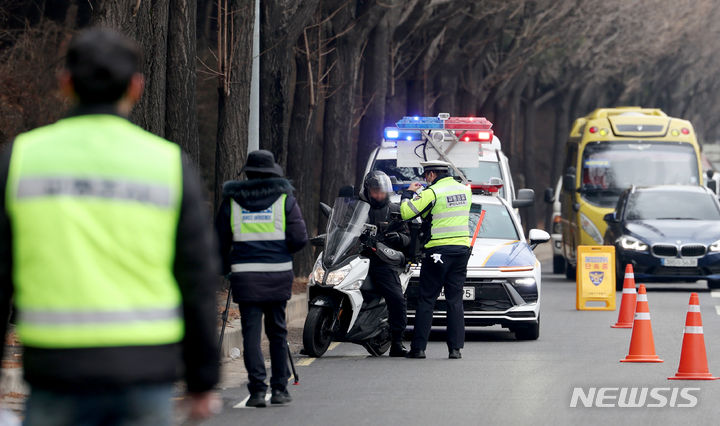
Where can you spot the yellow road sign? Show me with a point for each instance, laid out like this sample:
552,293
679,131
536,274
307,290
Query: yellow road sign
595,278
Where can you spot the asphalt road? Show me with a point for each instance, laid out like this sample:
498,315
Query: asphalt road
503,381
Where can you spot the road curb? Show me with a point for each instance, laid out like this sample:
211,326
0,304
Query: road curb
295,312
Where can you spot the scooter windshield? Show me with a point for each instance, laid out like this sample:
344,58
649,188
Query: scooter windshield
345,226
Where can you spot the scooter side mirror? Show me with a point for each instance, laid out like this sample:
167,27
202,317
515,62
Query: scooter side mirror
318,241
325,209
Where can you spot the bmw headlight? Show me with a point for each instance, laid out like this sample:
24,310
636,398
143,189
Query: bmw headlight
715,247
589,227
337,276
630,243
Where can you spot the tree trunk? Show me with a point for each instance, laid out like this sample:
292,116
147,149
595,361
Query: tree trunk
181,114
375,83
146,22
529,161
281,23
234,99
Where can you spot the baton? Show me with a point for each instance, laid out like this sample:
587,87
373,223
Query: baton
292,365
224,319
477,229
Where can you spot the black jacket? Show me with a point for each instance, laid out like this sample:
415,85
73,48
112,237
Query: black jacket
388,221
89,369
256,195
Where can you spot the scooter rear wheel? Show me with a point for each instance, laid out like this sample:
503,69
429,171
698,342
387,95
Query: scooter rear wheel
317,335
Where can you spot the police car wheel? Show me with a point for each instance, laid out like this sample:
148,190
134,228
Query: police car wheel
317,335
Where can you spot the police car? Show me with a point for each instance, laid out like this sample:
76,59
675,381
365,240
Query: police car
503,274
492,162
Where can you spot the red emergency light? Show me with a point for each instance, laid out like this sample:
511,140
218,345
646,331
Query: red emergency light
485,188
467,123
481,136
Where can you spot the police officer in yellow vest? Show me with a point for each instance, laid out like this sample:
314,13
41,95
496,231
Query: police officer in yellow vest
105,244
445,209
260,226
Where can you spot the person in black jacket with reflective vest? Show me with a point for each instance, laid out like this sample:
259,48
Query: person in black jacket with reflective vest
394,233
259,225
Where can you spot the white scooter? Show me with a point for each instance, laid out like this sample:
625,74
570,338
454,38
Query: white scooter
343,306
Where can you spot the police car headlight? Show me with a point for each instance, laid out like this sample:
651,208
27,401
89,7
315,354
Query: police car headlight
589,227
630,243
715,247
337,276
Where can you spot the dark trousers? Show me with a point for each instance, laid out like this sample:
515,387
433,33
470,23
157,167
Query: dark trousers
447,271
251,314
387,282
135,405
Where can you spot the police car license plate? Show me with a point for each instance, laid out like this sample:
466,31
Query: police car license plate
687,263
468,293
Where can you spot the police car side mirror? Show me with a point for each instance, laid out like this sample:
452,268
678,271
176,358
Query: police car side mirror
549,195
525,198
538,236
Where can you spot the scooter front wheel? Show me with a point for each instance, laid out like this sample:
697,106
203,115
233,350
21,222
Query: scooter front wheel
317,335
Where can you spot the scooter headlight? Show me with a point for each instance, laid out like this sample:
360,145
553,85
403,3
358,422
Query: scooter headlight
318,272
337,276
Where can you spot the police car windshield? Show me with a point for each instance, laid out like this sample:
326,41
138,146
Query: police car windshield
608,168
483,173
480,174
666,205
497,222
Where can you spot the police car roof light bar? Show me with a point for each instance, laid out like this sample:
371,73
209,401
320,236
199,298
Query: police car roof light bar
394,134
420,123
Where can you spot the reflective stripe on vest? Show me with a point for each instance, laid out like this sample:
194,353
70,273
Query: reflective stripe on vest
263,225
262,267
450,214
93,203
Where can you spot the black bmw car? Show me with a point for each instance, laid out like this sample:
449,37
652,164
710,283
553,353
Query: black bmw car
668,233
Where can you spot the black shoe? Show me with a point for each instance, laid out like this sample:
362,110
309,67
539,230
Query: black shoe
415,354
455,354
256,400
397,350
280,397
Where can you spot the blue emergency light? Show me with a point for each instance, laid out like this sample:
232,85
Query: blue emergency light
394,134
420,123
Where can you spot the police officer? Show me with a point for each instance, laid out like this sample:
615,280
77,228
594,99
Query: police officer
108,254
376,191
445,209
259,225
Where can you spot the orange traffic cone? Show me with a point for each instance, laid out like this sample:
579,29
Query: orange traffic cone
629,299
642,344
693,359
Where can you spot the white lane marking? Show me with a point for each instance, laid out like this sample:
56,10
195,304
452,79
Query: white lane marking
715,293
717,309
242,403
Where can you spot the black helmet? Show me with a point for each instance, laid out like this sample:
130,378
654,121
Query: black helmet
377,180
